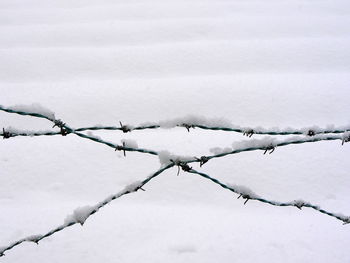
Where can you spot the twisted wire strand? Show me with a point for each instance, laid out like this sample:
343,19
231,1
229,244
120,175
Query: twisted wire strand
97,128
261,132
246,131
24,113
94,209
32,133
278,144
299,204
180,161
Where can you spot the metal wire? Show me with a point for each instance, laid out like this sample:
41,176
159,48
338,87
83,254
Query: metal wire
245,131
96,208
298,204
181,163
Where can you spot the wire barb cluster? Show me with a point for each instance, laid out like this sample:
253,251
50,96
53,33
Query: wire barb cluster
311,133
60,124
124,128
346,139
249,133
270,148
202,160
188,126
121,148
6,134
244,196
179,162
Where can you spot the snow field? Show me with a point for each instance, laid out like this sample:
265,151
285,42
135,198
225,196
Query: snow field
270,64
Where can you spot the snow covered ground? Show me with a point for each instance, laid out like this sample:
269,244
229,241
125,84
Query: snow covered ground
254,63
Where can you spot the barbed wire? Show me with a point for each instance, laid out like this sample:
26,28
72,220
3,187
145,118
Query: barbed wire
93,209
247,131
248,195
268,145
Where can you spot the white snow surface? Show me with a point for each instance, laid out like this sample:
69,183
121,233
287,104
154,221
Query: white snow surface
166,157
130,143
245,64
132,187
243,190
34,108
79,215
195,120
92,135
14,130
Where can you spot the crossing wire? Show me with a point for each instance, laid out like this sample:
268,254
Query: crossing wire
180,162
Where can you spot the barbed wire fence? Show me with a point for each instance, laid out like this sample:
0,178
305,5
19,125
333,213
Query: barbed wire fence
267,145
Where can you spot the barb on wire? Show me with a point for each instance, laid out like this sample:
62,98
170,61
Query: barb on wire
202,160
114,128
248,195
6,134
124,128
58,123
181,164
64,130
345,138
188,126
270,148
263,146
121,148
249,133
244,196
299,204
311,133
114,146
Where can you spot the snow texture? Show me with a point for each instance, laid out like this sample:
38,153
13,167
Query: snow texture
14,130
219,150
79,215
255,143
195,120
33,238
91,134
130,143
34,108
132,187
346,137
243,190
165,158
224,123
